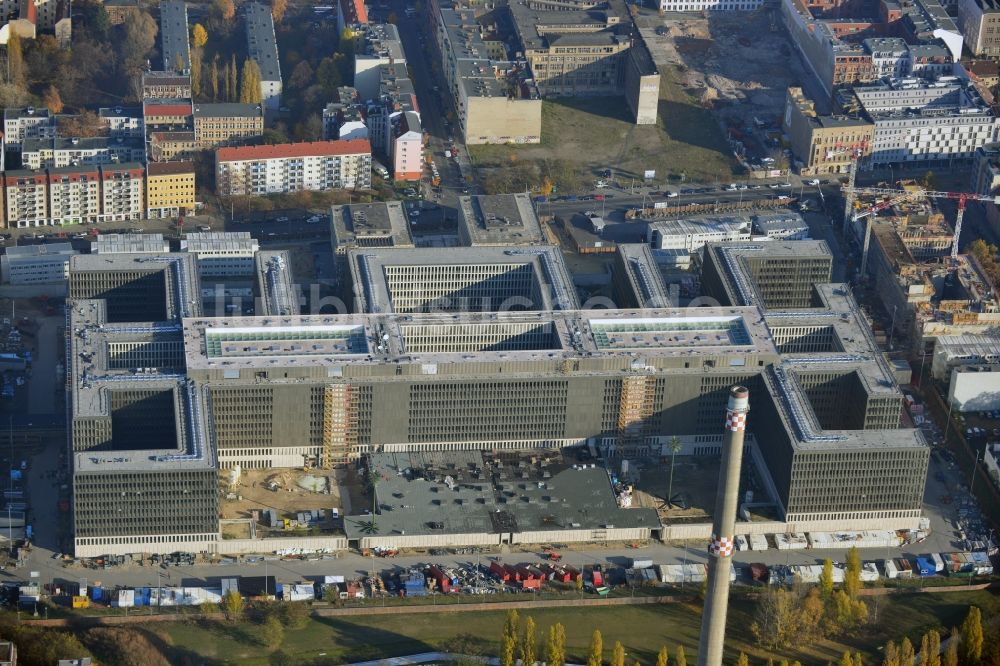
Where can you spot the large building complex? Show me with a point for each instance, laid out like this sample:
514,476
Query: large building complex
409,378
467,279
841,51
375,225
262,46
608,55
497,100
293,167
924,121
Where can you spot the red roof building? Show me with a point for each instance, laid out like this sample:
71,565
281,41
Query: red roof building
292,150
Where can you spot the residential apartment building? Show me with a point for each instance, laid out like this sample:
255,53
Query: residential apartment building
824,144
123,190
926,122
344,117
63,152
393,123
166,146
175,47
36,264
170,189
26,198
166,85
227,124
263,48
26,123
123,121
351,14
980,24
74,195
381,45
222,254
497,102
169,114
890,56
293,167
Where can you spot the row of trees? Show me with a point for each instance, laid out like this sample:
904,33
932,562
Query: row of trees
805,613
964,647
221,82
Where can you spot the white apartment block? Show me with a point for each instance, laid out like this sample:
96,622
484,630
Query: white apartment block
692,233
29,123
123,189
890,56
74,196
62,152
36,264
293,167
124,122
26,199
919,121
710,5
222,254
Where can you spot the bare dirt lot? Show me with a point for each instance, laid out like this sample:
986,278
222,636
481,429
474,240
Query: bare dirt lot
288,497
738,65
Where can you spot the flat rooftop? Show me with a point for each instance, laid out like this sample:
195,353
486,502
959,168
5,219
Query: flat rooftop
174,35
460,492
463,279
129,243
643,274
424,340
379,224
261,43
225,242
500,219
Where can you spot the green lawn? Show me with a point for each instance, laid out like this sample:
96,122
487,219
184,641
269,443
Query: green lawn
642,629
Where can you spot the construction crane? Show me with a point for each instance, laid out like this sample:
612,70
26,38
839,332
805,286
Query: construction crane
893,196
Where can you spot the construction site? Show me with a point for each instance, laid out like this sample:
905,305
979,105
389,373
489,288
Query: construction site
738,66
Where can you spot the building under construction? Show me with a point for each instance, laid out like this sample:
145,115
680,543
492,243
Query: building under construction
281,389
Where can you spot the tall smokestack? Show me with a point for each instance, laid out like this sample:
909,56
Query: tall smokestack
722,544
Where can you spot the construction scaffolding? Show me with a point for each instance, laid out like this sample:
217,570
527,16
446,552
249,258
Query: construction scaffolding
340,426
635,409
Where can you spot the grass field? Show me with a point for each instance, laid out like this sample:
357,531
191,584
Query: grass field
642,630
591,134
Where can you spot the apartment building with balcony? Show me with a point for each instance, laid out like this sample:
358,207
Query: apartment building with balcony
123,121
26,198
293,167
74,195
170,189
26,123
64,152
231,124
123,190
